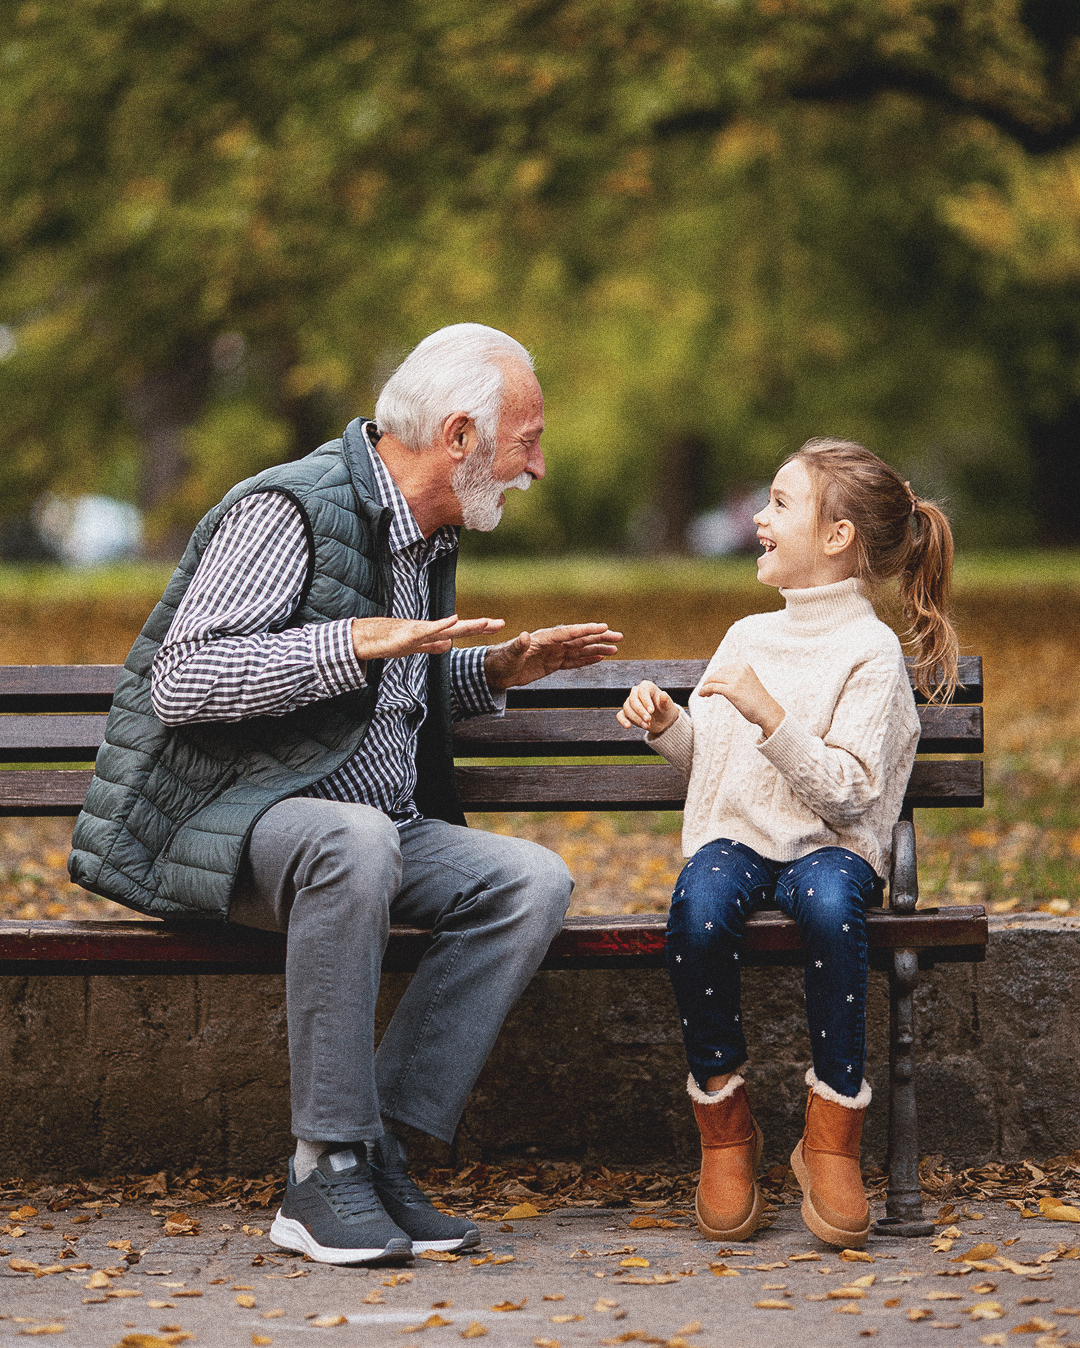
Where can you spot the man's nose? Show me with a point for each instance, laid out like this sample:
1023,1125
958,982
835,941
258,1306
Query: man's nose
535,464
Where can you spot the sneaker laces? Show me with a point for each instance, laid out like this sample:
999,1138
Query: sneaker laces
351,1195
395,1178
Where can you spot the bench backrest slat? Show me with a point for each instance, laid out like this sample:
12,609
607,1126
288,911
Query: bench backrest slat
568,716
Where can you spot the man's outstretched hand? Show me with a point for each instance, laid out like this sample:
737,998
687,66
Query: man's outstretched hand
384,638
534,654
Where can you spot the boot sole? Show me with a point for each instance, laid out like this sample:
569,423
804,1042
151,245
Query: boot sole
750,1224
293,1235
831,1235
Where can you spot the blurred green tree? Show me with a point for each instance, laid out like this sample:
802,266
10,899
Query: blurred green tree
722,227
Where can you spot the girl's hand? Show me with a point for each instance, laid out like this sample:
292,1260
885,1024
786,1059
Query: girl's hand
744,690
649,708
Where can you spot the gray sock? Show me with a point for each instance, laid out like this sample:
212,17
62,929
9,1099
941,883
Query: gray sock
307,1157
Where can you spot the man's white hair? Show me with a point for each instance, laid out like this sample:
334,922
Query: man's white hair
457,369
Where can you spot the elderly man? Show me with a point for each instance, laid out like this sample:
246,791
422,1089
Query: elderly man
279,754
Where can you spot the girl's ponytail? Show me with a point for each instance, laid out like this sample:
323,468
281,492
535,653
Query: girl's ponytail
924,593
896,534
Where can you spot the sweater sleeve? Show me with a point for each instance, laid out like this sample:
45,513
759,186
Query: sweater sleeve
873,734
676,743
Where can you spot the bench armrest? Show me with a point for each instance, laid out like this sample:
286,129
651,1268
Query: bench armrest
904,872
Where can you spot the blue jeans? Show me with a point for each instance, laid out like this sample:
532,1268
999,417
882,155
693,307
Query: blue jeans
825,892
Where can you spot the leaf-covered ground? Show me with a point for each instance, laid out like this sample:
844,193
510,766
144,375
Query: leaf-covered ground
492,1191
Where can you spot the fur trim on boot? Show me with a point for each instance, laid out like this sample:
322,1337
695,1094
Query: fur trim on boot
826,1092
728,1203
830,1144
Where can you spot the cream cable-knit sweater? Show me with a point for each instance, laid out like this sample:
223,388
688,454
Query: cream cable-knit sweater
833,772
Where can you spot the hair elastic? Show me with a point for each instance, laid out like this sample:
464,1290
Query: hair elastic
914,498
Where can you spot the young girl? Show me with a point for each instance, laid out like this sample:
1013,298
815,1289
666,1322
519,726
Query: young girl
798,744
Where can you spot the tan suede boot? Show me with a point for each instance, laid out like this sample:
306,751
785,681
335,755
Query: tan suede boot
728,1203
826,1164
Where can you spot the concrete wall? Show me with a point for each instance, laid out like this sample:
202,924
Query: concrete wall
137,1073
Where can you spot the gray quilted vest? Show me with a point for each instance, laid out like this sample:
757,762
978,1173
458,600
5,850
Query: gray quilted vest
170,808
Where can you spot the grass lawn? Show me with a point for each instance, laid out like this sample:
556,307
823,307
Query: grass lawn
1021,611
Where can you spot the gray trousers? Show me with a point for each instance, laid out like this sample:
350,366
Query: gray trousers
334,877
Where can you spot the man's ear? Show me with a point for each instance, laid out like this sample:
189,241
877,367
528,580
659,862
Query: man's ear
839,537
458,436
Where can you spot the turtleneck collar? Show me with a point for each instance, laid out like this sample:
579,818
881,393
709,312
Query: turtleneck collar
824,608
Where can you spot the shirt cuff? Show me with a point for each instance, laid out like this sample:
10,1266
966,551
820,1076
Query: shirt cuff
469,678
334,657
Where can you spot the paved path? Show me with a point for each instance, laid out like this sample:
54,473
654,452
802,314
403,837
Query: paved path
565,1274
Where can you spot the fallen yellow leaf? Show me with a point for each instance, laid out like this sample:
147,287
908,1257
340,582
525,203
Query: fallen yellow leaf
694,1327
722,1271
867,1280
520,1212
246,1300
43,1329
984,1251
261,1340
565,1319
161,1305
857,1256
28,1266
510,1305
375,1297
915,1314
994,1340
439,1256
848,1308
330,1321
845,1294
803,1258
635,1261
1057,1211
553,1296
546,1343
432,1322
475,1331
277,1314
771,1304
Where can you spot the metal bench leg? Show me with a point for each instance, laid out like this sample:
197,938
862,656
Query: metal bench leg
904,1206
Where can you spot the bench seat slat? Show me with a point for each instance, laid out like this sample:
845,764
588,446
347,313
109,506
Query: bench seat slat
99,947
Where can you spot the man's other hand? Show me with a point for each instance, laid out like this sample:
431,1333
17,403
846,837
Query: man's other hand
385,638
534,654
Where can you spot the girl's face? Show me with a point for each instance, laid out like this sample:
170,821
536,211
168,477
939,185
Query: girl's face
795,557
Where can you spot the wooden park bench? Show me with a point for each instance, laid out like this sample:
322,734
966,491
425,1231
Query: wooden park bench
52,715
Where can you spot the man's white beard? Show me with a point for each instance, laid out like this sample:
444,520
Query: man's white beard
478,492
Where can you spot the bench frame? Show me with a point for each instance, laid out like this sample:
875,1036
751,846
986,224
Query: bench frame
56,715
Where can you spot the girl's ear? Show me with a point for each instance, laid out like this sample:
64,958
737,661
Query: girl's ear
838,538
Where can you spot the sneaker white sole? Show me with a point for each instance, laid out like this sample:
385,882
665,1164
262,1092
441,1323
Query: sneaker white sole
293,1235
465,1242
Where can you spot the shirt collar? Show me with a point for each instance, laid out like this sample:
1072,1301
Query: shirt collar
405,533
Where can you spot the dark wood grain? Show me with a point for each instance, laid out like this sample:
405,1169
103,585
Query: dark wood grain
606,684
646,787
52,791
57,688
584,942
50,739
582,732
43,791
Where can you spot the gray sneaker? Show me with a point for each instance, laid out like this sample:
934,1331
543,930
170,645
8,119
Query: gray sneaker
410,1208
335,1216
